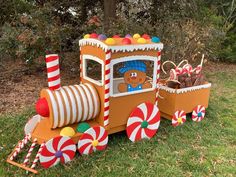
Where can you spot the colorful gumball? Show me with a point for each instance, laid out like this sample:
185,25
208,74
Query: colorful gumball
94,35
173,74
86,36
95,138
143,122
136,36
59,149
126,41
141,40
178,118
67,131
146,36
198,113
155,39
128,36
102,37
116,36
110,41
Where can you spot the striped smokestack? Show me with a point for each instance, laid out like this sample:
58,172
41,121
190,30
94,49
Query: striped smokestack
53,71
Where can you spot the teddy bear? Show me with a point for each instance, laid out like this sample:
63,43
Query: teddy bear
134,76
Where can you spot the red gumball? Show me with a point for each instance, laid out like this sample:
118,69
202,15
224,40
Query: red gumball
126,41
116,36
146,36
94,35
42,107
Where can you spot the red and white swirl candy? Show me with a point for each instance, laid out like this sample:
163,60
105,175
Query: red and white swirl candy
198,113
178,118
95,138
59,149
143,122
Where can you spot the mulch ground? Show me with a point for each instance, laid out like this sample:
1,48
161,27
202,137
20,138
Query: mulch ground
20,85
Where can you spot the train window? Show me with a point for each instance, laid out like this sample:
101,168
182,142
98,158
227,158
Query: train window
93,69
133,75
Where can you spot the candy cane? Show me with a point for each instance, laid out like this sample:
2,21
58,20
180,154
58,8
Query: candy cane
37,156
30,152
20,146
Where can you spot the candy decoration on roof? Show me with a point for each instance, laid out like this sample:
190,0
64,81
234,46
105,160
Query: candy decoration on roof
146,36
53,71
178,118
59,149
116,36
94,35
136,36
126,41
141,40
95,138
82,127
67,131
102,37
155,39
86,36
198,113
110,41
143,122
128,36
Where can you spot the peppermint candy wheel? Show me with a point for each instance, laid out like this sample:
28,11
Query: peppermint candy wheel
143,122
173,75
198,113
95,138
59,149
178,118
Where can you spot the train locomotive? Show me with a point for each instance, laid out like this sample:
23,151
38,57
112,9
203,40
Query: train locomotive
119,90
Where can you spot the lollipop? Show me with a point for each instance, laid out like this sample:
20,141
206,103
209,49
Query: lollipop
95,138
59,149
143,122
178,118
198,113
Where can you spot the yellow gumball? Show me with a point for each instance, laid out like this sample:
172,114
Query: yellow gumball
110,41
136,36
86,36
141,40
67,131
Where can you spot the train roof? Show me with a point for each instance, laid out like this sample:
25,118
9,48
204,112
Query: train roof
122,44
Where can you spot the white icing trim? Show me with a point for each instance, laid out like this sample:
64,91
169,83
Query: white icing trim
84,70
130,58
123,48
183,90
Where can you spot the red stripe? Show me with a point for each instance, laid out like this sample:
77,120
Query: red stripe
107,81
54,78
54,68
51,58
106,100
107,91
55,87
158,53
106,118
107,62
106,108
108,52
107,72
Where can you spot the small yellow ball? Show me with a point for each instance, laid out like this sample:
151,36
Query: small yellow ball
67,131
86,36
95,143
110,41
136,36
141,40
180,120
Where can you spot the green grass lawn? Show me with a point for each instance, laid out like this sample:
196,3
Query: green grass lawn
200,149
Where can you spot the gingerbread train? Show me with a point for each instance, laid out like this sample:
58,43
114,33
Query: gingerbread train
119,90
